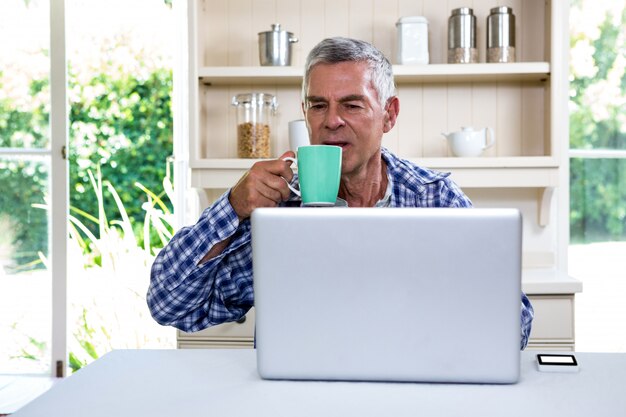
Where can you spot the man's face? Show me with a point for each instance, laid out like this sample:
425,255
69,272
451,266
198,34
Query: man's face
342,108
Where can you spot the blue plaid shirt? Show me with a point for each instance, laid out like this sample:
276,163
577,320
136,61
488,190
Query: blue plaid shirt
192,297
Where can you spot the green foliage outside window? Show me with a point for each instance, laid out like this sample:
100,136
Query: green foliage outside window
119,122
126,129
598,121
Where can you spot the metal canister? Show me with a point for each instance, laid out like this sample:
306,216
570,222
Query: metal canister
462,36
501,35
275,46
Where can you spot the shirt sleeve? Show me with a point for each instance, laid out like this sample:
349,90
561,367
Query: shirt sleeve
450,195
191,296
527,319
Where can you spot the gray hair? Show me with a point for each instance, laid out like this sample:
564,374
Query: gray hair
338,49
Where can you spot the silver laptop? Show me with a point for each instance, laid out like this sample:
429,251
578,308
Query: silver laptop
388,294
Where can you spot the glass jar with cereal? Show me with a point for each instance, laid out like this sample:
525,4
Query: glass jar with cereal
255,114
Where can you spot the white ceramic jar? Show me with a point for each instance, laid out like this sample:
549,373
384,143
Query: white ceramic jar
412,40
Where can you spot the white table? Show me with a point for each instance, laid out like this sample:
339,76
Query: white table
225,383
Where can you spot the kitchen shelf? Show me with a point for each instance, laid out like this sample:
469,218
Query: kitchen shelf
450,163
502,172
549,281
292,75
515,71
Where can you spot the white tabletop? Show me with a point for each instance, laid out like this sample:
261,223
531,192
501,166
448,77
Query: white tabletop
225,383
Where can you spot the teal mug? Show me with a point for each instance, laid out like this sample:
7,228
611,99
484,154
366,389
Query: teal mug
319,172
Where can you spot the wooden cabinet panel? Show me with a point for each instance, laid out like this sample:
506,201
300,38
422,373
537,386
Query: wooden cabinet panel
554,319
223,335
553,328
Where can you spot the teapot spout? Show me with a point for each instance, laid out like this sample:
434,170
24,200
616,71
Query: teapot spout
446,135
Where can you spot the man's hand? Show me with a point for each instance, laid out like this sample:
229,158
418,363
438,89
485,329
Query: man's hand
262,186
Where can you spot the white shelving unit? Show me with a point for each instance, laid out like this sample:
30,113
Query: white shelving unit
524,102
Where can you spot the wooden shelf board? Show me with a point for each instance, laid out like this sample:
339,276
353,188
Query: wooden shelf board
539,281
488,162
517,172
435,163
507,172
517,71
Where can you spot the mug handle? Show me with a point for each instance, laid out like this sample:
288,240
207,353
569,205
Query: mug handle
293,190
491,138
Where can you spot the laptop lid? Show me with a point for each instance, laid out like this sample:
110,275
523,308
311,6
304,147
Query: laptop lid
388,294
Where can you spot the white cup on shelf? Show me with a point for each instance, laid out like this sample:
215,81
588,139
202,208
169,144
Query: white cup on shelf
298,134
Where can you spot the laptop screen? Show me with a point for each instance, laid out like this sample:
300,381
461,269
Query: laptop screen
393,294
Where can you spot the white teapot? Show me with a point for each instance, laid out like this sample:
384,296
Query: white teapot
470,142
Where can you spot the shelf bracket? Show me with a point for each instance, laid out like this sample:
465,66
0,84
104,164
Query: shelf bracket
544,204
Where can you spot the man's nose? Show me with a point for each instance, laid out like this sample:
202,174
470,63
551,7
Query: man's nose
334,118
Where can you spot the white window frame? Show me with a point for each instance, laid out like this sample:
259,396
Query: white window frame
180,113
59,185
597,153
59,165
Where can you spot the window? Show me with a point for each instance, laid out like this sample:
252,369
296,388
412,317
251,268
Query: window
32,126
598,171
86,130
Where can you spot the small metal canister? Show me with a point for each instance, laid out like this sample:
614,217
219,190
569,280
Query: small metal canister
501,35
462,36
255,116
275,46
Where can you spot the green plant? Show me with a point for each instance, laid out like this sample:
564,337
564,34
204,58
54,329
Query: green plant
33,350
84,334
120,122
110,271
123,124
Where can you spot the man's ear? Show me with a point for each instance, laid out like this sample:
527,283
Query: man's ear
391,113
